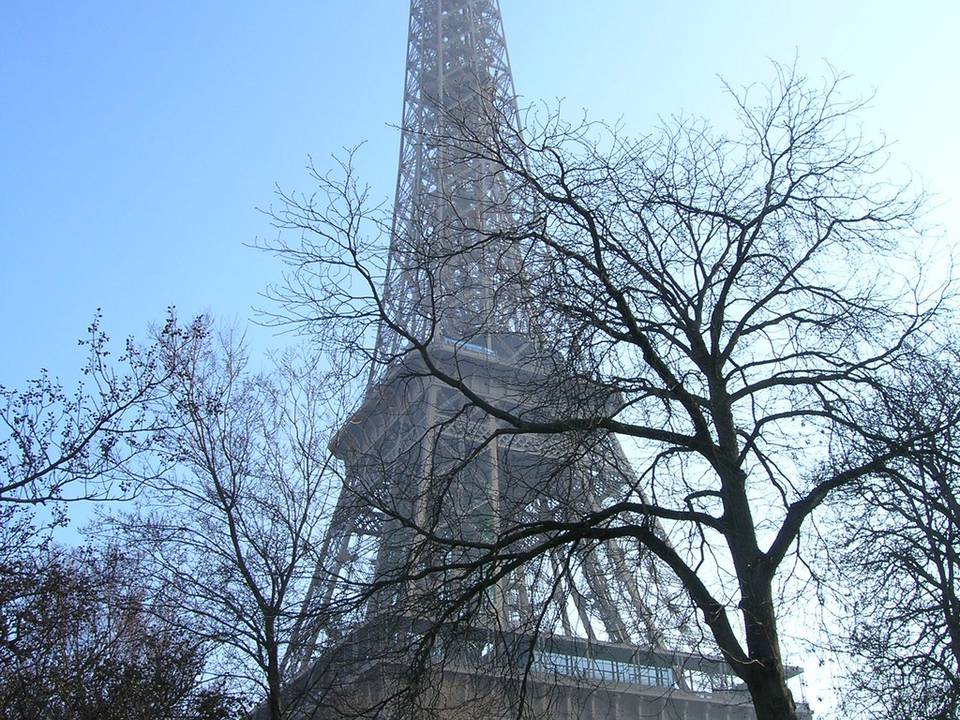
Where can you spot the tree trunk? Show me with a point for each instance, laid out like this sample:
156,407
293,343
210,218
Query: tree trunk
274,683
766,677
772,699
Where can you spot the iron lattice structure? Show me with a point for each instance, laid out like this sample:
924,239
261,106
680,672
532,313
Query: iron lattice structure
442,278
416,453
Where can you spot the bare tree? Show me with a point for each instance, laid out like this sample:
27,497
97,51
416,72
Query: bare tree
59,445
230,534
901,559
79,640
727,307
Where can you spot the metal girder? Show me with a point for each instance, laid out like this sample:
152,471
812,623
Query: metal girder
442,275
445,282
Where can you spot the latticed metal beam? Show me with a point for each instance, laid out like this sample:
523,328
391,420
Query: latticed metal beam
458,87
452,284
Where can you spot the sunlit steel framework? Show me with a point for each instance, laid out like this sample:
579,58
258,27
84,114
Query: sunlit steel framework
455,286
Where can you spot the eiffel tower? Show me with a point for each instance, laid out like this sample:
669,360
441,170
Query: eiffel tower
434,477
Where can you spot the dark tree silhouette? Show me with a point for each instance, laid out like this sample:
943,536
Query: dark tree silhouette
60,445
902,558
79,640
229,535
732,307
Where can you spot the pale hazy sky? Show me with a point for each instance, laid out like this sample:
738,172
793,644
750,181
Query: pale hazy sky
137,139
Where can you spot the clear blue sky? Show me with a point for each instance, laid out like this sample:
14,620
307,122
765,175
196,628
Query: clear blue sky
137,139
